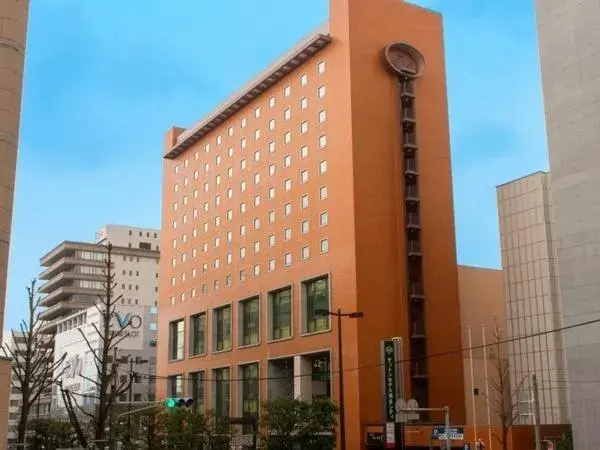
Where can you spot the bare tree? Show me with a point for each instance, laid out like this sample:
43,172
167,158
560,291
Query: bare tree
107,384
33,364
503,401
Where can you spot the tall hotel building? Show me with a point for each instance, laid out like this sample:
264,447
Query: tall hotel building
569,40
532,295
324,183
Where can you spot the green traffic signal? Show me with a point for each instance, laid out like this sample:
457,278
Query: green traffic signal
176,402
170,403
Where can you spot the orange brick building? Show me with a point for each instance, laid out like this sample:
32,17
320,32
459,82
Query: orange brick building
324,183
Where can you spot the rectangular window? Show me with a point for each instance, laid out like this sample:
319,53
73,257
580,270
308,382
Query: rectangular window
321,91
271,265
222,329
322,116
305,252
287,259
272,102
304,227
197,389
287,137
324,245
304,103
322,141
316,297
287,91
303,79
198,334
221,391
175,386
322,167
304,151
304,201
281,314
321,67
250,394
249,321
177,338
323,219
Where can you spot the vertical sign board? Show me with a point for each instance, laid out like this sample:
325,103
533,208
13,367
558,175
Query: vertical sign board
392,386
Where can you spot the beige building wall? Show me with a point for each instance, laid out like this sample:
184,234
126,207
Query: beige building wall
481,308
530,278
13,31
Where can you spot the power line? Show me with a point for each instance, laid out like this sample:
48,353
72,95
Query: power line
406,360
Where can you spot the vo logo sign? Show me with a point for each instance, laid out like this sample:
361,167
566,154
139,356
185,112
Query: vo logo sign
132,320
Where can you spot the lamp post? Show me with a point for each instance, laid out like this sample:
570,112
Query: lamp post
339,314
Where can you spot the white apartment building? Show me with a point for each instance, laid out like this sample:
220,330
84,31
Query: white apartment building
74,280
531,290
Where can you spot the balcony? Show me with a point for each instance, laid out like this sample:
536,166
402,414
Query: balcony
411,193
67,292
407,89
415,291
65,307
67,264
66,278
409,141
413,221
413,249
411,170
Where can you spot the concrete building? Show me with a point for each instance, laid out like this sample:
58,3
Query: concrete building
13,36
531,289
324,183
73,274
569,39
15,340
481,309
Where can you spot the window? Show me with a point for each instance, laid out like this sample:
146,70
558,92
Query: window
287,209
250,394
271,193
316,297
229,214
304,227
304,201
218,160
256,134
324,245
271,169
218,180
305,252
175,206
228,280
244,122
271,240
287,91
322,167
271,216
206,185
272,124
321,91
175,386
303,79
321,67
304,151
197,389
229,193
229,236
222,329
271,147
206,167
287,161
271,265
242,275
257,155
304,127
230,152
242,207
207,148
287,184
256,200
280,314
177,338
230,131
216,263
229,172
257,112
219,140
287,114
243,186
198,334
243,143
242,252
272,102
256,223
304,176
217,241
287,259
322,141
323,218
229,257
256,246
256,270
176,172
304,103
287,137
249,321
222,394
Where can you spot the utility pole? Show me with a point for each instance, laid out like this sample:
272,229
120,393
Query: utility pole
536,412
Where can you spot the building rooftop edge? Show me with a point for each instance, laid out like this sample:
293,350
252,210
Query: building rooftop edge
537,172
289,61
468,266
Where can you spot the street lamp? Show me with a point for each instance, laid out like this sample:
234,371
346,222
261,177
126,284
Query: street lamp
339,315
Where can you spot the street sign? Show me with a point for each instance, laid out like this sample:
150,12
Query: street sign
456,433
389,379
374,438
390,435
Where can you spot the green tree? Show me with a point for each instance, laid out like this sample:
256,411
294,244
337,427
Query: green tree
184,429
50,434
290,424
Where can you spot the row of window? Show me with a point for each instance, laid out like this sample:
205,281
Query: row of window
287,92
313,302
256,270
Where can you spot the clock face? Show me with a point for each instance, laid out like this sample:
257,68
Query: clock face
403,59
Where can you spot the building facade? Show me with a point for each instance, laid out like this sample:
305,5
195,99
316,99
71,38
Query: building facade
532,293
13,36
481,310
569,40
74,274
323,184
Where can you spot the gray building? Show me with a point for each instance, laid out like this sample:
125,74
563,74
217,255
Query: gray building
569,39
532,295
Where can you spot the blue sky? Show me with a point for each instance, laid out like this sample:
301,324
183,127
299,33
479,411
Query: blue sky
106,79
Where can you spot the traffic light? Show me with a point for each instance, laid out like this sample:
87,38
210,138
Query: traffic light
179,402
